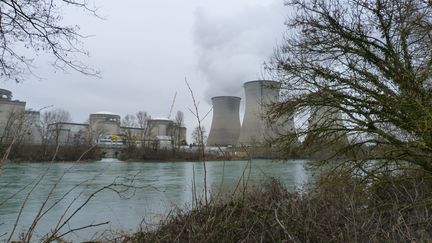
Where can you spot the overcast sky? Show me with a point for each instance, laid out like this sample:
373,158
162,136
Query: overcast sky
146,48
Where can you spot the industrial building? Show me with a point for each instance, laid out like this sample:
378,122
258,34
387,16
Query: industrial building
103,124
225,127
11,116
166,132
104,129
17,124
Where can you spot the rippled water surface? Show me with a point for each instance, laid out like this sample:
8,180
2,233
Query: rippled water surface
125,195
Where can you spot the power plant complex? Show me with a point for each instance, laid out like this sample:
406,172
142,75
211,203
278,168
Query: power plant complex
105,129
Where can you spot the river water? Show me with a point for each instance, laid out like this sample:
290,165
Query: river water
126,195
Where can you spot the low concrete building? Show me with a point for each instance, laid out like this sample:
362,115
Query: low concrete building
67,133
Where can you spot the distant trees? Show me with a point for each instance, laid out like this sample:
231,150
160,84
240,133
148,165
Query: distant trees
143,133
178,124
139,120
37,26
129,122
370,61
199,136
14,131
51,124
14,127
142,121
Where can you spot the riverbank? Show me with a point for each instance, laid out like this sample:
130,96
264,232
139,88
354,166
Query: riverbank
44,153
211,153
336,209
74,153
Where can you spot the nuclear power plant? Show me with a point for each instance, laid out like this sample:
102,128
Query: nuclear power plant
225,128
105,129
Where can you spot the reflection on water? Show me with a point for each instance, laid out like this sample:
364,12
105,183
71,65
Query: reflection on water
157,189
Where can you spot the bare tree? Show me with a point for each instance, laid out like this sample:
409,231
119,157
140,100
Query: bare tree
33,27
129,122
199,136
142,120
51,124
178,124
11,129
13,133
179,118
369,61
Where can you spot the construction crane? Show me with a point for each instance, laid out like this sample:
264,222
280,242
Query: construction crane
172,105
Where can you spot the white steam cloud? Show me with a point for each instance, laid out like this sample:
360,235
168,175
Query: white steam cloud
232,47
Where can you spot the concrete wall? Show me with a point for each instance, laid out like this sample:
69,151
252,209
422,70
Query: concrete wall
225,128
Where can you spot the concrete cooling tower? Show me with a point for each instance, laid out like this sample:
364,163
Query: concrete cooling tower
259,94
225,128
329,119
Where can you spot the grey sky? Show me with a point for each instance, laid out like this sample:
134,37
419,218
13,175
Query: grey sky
145,50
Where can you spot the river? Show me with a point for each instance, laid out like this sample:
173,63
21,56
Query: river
136,194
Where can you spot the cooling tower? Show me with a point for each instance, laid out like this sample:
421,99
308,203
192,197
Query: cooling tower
259,95
225,128
329,120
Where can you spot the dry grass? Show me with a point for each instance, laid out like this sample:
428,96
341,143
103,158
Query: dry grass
338,208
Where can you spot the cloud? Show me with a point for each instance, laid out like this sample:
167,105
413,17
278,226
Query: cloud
231,47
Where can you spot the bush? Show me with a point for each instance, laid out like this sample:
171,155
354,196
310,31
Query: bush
337,208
